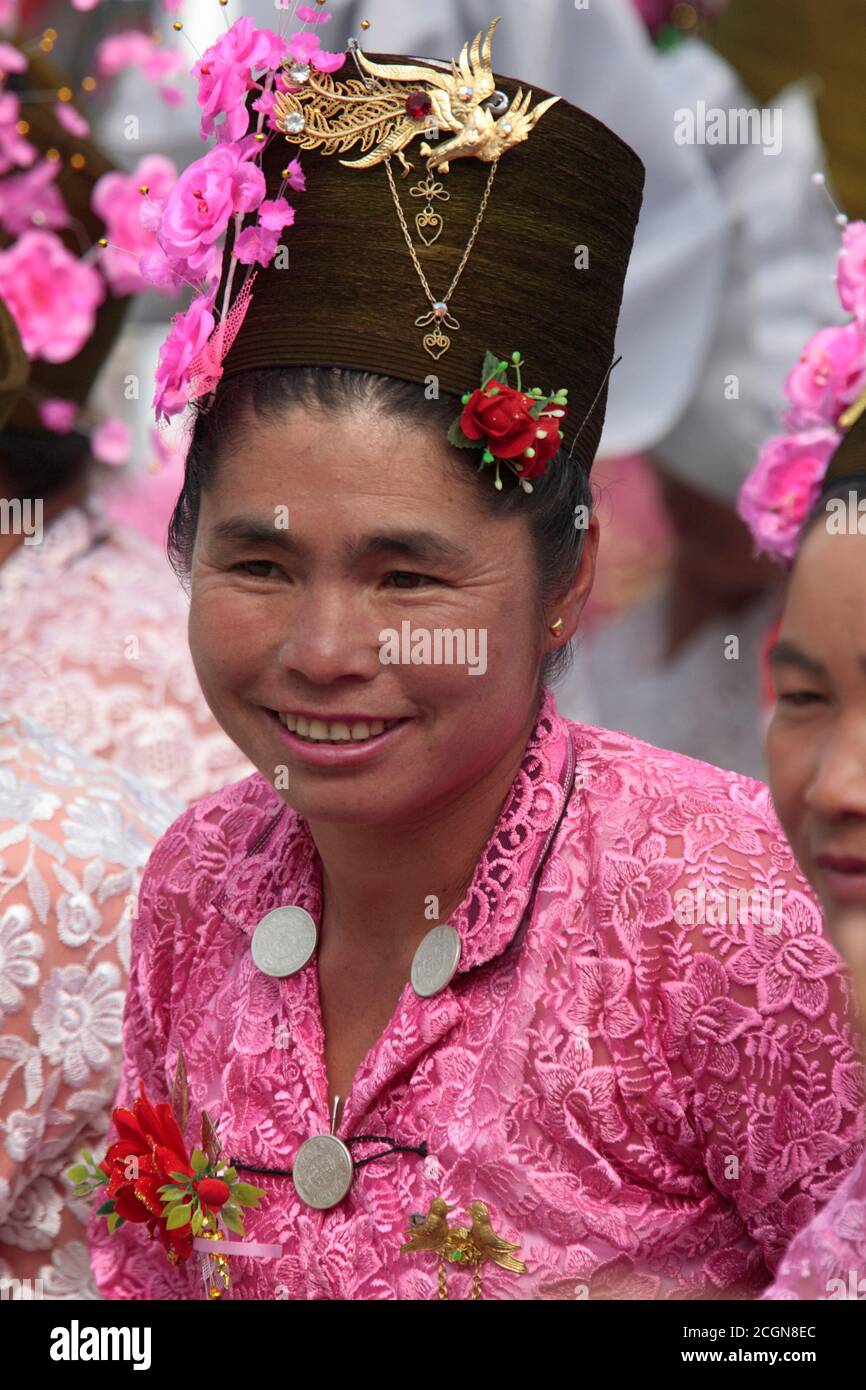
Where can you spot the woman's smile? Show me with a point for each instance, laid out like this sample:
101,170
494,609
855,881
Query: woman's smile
336,743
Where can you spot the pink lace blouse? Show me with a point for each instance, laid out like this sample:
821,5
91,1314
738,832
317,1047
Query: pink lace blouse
827,1259
650,1099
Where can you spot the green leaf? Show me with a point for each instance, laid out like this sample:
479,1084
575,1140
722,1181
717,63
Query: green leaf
196,1222
113,1222
78,1173
183,1178
459,439
232,1219
106,1209
199,1161
246,1195
169,1191
85,1190
492,368
228,1175
177,1217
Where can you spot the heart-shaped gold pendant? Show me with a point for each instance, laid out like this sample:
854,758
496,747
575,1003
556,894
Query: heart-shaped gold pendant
437,340
429,225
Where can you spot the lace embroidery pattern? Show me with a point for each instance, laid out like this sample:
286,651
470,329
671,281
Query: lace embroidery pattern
653,1107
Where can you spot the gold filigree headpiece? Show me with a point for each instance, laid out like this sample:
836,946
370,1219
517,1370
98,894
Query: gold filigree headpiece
385,109
408,100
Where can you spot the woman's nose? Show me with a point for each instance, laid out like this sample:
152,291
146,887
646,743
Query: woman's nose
330,636
838,785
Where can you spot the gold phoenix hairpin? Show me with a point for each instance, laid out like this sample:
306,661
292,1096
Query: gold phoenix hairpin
335,117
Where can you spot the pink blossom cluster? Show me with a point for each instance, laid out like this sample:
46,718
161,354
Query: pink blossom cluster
221,192
829,377
52,295
132,48
128,214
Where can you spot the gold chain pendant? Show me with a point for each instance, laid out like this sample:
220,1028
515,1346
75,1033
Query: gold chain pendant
429,222
437,343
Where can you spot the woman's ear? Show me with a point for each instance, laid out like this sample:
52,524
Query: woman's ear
563,616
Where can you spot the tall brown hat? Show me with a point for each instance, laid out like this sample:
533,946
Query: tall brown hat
544,276
82,164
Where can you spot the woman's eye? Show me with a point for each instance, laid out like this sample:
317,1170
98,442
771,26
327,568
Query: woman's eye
257,569
408,579
798,697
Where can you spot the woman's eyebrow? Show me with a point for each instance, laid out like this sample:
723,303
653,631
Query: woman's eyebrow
416,545
784,653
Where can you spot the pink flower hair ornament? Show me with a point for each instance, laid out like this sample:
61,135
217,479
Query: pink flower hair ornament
224,192
827,394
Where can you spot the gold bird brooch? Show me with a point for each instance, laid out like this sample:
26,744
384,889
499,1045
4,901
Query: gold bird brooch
469,1246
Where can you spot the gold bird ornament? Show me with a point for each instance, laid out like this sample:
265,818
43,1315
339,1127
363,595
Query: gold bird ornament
407,100
469,1246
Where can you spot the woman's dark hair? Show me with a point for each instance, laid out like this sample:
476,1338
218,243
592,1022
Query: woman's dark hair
42,465
838,489
550,509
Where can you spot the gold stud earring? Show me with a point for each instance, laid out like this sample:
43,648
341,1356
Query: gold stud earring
556,628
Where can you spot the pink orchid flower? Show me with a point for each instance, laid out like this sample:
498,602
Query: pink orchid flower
306,48
31,200
203,201
225,75
71,120
784,486
831,372
58,415
11,60
130,219
52,295
15,151
311,14
256,245
111,442
188,335
852,271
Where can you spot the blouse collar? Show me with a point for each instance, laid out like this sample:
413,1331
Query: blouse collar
282,867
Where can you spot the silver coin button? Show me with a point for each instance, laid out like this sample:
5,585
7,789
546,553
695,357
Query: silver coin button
436,960
284,941
322,1171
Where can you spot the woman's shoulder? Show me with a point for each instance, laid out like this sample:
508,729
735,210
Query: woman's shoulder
645,806
630,778
213,836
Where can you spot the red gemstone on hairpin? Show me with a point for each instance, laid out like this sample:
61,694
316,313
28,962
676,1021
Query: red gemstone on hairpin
419,105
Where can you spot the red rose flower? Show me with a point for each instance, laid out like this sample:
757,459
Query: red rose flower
503,419
545,448
506,422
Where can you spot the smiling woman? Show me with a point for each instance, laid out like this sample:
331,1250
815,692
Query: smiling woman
425,969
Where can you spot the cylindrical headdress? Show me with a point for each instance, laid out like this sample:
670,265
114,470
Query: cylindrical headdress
544,275
449,225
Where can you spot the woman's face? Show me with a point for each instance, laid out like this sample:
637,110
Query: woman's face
816,743
320,536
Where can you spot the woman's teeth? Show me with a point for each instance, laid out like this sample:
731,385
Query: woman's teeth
320,731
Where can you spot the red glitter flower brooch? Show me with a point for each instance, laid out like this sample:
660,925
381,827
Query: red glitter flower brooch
522,429
183,1199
